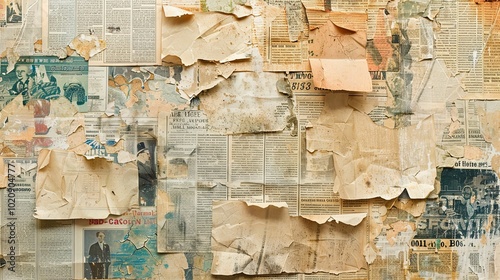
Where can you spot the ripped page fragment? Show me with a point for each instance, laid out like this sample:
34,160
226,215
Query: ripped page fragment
338,58
370,160
235,7
192,80
334,41
247,103
69,186
144,92
207,36
282,49
296,19
256,240
87,45
341,74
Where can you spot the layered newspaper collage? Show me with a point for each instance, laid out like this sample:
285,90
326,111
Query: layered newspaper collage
249,139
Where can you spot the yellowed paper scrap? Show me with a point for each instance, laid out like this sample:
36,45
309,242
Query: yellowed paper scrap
341,74
374,161
338,58
266,240
69,186
87,45
207,36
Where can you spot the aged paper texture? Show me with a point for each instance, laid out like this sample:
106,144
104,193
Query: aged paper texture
69,186
264,239
370,160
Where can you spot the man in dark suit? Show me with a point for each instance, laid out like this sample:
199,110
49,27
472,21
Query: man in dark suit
147,176
99,257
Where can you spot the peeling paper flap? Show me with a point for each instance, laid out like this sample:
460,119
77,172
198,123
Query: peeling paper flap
341,74
335,42
338,58
348,219
69,186
207,36
171,11
374,161
257,241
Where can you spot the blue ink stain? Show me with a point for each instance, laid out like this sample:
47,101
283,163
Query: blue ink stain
169,215
166,265
207,264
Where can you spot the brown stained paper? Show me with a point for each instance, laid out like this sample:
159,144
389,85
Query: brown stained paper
69,186
341,74
338,58
247,103
207,36
333,41
202,76
373,161
87,45
265,240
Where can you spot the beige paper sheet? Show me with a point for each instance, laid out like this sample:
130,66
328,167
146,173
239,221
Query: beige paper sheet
266,240
373,161
69,186
338,58
207,36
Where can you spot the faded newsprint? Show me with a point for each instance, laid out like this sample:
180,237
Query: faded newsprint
458,232
30,246
20,26
131,30
197,167
65,249
200,167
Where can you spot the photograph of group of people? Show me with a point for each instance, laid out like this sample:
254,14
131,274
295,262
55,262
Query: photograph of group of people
468,199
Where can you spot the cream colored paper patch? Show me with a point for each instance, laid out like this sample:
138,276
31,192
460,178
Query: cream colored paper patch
373,161
266,240
69,186
207,36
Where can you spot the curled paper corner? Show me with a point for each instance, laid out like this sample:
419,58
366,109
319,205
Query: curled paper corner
87,45
171,11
